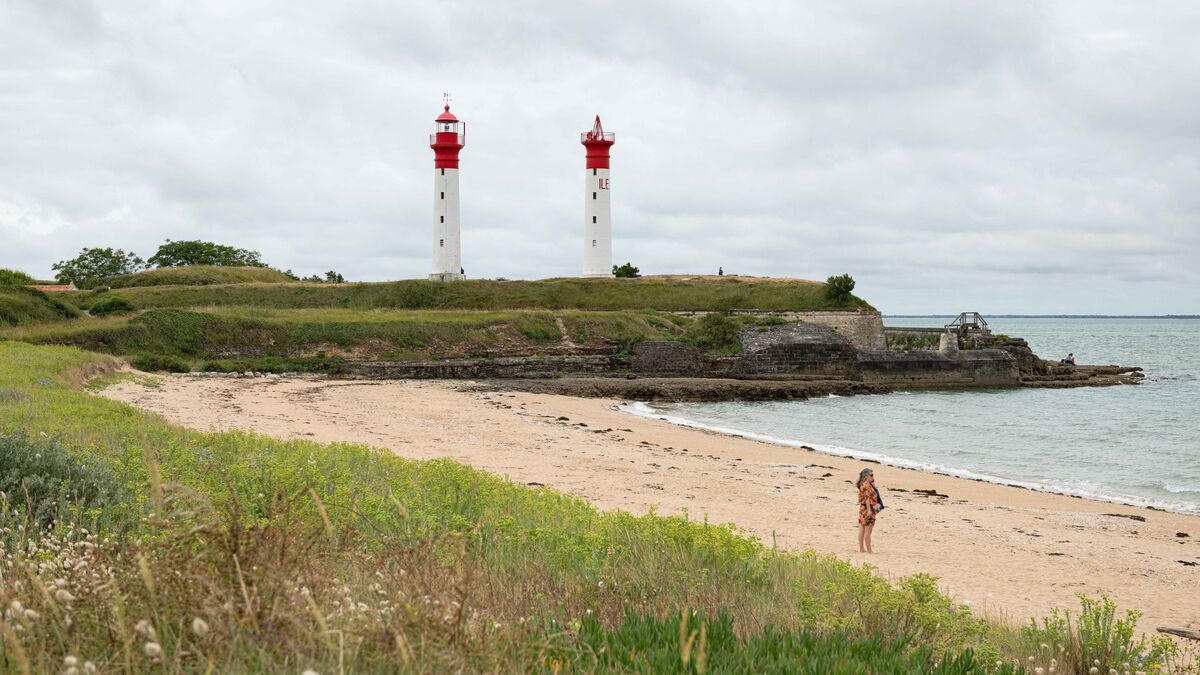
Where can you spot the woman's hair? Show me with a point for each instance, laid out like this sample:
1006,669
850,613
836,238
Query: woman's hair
862,477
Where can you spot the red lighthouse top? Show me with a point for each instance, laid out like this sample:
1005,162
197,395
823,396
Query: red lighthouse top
597,141
449,136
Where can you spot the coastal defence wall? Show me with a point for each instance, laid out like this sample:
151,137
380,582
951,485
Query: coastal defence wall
864,330
928,369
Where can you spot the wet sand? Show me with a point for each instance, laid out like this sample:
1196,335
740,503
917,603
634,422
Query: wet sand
1005,551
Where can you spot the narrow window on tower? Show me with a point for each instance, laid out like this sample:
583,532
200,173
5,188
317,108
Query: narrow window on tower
593,172
593,195
441,242
443,172
443,218
593,243
593,219
443,195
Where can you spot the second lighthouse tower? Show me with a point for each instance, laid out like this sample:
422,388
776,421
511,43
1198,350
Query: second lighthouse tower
449,136
597,205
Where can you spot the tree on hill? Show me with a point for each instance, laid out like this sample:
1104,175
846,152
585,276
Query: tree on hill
15,278
94,264
626,271
180,253
838,288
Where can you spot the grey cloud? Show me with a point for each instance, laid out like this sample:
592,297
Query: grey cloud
1013,157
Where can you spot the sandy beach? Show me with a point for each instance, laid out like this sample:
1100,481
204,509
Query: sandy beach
1005,551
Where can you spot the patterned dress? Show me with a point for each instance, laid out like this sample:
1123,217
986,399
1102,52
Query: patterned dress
868,500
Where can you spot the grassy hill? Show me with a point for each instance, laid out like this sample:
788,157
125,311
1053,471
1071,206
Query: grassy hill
20,306
232,552
665,294
322,339
196,275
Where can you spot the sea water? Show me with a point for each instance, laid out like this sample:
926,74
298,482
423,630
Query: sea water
1133,444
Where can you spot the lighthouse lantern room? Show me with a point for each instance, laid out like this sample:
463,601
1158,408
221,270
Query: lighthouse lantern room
448,138
597,205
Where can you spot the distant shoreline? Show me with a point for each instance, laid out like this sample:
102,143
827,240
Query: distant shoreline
1049,316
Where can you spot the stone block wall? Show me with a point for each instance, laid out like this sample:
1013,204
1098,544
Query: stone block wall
982,367
664,357
864,330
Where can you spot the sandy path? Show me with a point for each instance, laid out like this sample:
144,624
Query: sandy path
1005,551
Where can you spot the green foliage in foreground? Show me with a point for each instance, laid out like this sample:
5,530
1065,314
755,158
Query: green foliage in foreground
1096,638
198,275
15,278
284,544
47,485
699,643
21,306
726,293
250,554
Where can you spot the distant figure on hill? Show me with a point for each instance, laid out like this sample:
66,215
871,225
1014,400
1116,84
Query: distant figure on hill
720,271
870,503
1070,360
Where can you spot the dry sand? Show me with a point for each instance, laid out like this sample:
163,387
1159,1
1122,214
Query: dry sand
1005,551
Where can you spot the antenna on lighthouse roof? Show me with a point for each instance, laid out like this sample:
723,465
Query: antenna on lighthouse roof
446,99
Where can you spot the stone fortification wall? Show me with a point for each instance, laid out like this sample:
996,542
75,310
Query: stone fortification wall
864,330
664,357
976,368
795,349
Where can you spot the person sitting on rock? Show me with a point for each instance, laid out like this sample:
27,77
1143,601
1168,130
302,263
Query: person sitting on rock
1070,360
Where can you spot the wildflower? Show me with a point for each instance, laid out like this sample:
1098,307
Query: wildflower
310,671
153,650
1093,670
16,607
31,615
70,661
199,627
63,595
144,629
1039,671
89,667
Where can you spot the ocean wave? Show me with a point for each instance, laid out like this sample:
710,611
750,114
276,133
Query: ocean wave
1096,493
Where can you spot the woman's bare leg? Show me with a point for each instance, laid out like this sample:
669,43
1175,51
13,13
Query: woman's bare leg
867,531
862,531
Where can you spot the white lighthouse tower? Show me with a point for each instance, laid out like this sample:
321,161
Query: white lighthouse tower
448,138
597,204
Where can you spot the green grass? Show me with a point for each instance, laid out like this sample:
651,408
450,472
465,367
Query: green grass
310,339
20,306
196,275
550,294
299,555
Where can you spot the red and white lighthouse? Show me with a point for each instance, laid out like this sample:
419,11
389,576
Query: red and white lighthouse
449,136
597,205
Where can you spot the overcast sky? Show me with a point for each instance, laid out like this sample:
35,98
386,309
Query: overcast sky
1000,157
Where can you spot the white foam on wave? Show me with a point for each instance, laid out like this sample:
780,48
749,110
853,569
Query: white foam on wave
641,409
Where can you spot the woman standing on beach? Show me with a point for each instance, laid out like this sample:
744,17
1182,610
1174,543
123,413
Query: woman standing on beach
869,504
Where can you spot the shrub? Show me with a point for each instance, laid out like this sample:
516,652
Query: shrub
714,332
838,289
626,271
15,278
45,484
160,362
93,264
1098,637
180,253
111,305
696,643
